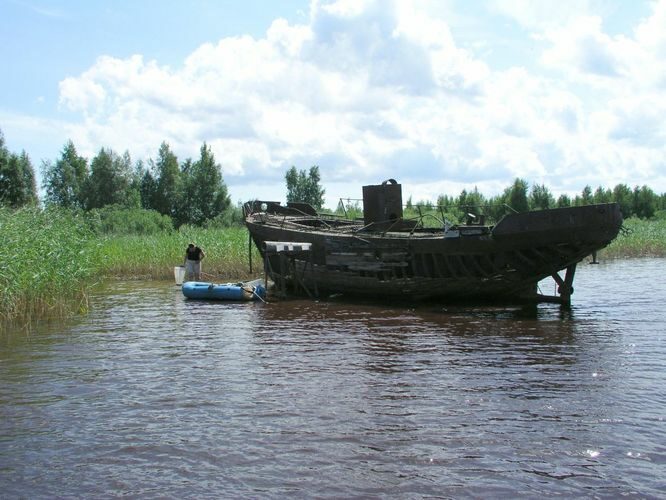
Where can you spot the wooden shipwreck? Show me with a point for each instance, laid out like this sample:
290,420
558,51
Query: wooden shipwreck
384,255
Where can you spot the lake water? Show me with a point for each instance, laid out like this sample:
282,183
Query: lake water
152,395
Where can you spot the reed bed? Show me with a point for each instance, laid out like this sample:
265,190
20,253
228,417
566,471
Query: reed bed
638,238
50,259
45,265
154,256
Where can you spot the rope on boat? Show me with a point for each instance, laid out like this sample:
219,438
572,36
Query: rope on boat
257,295
253,291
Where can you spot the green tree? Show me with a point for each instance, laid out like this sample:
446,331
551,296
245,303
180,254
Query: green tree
624,196
540,197
424,205
661,201
496,207
445,201
585,198
645,202
168,187
305,188
17,178
133,198
4,152
186,200
602,195
148,188
112,181
470,202
563,201
516,196
204,191
28,177
64,180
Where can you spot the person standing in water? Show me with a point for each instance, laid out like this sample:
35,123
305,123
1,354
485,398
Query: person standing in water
193,257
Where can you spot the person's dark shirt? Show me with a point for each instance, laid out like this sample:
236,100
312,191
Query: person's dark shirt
194,253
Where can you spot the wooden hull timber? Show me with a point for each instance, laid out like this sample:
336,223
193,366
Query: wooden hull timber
504,262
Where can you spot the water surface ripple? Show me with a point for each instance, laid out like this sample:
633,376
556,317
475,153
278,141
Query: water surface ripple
152,395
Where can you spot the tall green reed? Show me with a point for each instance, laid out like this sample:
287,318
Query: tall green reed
154,256
49,259
45,262
639,238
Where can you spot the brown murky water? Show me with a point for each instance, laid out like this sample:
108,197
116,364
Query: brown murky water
152,395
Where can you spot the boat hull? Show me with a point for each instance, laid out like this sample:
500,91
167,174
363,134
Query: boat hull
504,262
236,292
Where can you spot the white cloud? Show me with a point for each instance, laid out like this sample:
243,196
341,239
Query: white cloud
371,90
586,52
650,33
81,94
543,15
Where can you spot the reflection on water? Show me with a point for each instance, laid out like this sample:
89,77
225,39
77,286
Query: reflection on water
153,395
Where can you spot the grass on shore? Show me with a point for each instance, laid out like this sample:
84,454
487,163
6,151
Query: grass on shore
154,256
50,259
45,265
638,238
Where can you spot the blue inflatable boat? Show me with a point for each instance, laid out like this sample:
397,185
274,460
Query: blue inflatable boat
228,291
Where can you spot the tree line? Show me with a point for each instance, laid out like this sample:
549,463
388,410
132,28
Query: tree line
17,178
193,191
189,192
641,201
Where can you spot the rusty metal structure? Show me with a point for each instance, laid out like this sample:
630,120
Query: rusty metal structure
386,255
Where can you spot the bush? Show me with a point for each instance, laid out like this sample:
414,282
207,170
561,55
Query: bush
660,215
137,221
231,217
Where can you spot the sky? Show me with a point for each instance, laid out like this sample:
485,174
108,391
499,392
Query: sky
440,95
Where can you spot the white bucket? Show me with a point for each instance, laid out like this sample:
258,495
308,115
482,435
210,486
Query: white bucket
179,274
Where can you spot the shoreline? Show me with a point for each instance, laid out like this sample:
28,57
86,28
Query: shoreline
58,286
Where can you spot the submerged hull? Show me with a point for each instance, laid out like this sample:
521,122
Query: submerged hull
228,292
501,262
